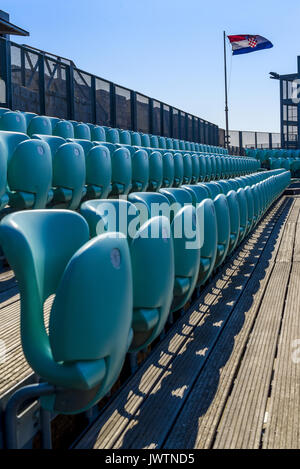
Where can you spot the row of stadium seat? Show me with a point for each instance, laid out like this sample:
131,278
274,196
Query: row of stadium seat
279,158
30,124
49,171
117,270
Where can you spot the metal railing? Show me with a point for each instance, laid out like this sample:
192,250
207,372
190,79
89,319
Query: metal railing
39,82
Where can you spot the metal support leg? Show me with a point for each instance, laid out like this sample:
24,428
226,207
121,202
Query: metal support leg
133,362
171,319
46,429
11,413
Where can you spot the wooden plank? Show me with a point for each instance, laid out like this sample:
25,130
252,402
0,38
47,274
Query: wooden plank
126,405
243,418
15,367
283,423
111,425
197,424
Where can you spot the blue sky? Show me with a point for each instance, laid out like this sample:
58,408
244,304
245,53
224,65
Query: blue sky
172,50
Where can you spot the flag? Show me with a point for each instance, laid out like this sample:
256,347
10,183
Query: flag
244,43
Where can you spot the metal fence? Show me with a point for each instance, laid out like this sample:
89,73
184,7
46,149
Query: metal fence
39,82
247,139
45,84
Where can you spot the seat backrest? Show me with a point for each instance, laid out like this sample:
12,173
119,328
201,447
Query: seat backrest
213,188
98,134
242,200
145,141
223,220
63,129
154,141
168,169
29,174
69,171
195,168
209,248
109,216
179,196
152,259
198,192
96,343
234,211
169,144
98,172
39,125
162,143
83,353
178,170
140,170
12,121
156,173
136,139
187,168
82,131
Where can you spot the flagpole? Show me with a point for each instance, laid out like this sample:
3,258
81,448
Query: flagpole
226,95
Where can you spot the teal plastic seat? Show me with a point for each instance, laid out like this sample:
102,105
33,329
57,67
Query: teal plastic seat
223,227
136,139
155,171
185,234
187,169
83,354
12,121
169,144
208,169
98,173
178,170
213,167
63,129
225,186
125,137
243,206
151,257
145,141
168,169
121,164
198,192
195,169
39,125
250,208
213,188
69,171
234,211
154,141
202,168
176,144
206,211
162,143
139,169
29,175
98,134
82,131
207,219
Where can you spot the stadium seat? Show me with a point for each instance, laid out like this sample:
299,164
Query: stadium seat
121,169
83,354
151,257
178,170
69,171
12,121
186,250
168,169
63,129
233,206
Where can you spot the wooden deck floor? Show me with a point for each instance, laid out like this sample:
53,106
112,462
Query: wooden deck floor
226,375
